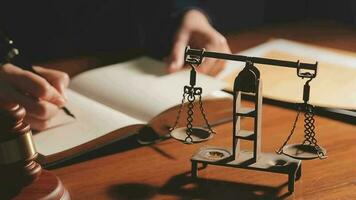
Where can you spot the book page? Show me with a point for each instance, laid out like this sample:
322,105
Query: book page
93,120
140,88
333,86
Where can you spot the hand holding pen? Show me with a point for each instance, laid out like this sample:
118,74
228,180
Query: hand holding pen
41,91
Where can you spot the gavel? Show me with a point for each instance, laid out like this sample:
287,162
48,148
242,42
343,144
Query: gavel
21,177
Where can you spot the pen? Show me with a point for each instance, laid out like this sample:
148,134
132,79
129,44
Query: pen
13,56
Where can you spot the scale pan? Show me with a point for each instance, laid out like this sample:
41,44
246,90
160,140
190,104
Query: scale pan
302,151
198,134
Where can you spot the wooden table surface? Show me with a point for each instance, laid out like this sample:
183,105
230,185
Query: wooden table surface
161,171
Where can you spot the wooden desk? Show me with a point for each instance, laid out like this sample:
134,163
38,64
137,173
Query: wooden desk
161,171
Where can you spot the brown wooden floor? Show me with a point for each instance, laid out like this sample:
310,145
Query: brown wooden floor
161,171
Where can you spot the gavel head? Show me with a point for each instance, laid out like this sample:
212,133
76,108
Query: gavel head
17,151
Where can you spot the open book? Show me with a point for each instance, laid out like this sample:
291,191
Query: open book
114,102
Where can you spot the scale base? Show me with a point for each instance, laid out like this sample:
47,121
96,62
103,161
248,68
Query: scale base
198,134
302,151
268,162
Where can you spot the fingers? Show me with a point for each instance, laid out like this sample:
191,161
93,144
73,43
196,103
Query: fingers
176,59
36,124
36,108
59,80
31,84
211,66
40,99
42,110
195,30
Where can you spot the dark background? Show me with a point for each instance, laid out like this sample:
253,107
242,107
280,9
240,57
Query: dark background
232,15
46,29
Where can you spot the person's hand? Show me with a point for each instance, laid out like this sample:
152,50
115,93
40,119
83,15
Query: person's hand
197,32
42,95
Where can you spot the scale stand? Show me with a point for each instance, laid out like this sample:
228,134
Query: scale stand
248,81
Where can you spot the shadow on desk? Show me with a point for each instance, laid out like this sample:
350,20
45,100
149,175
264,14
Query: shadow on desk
184,187
147,134
115,147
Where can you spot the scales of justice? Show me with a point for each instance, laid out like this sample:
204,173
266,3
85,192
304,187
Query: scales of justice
286,160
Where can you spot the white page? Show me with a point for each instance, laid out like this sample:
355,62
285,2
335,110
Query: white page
296,48
333,86
92,121
140,88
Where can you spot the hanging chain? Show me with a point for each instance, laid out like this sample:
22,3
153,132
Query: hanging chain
309,130
190,92
204,115
309,121
179,112
191,99
280,150
309,127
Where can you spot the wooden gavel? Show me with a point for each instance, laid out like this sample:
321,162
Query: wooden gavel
20,176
